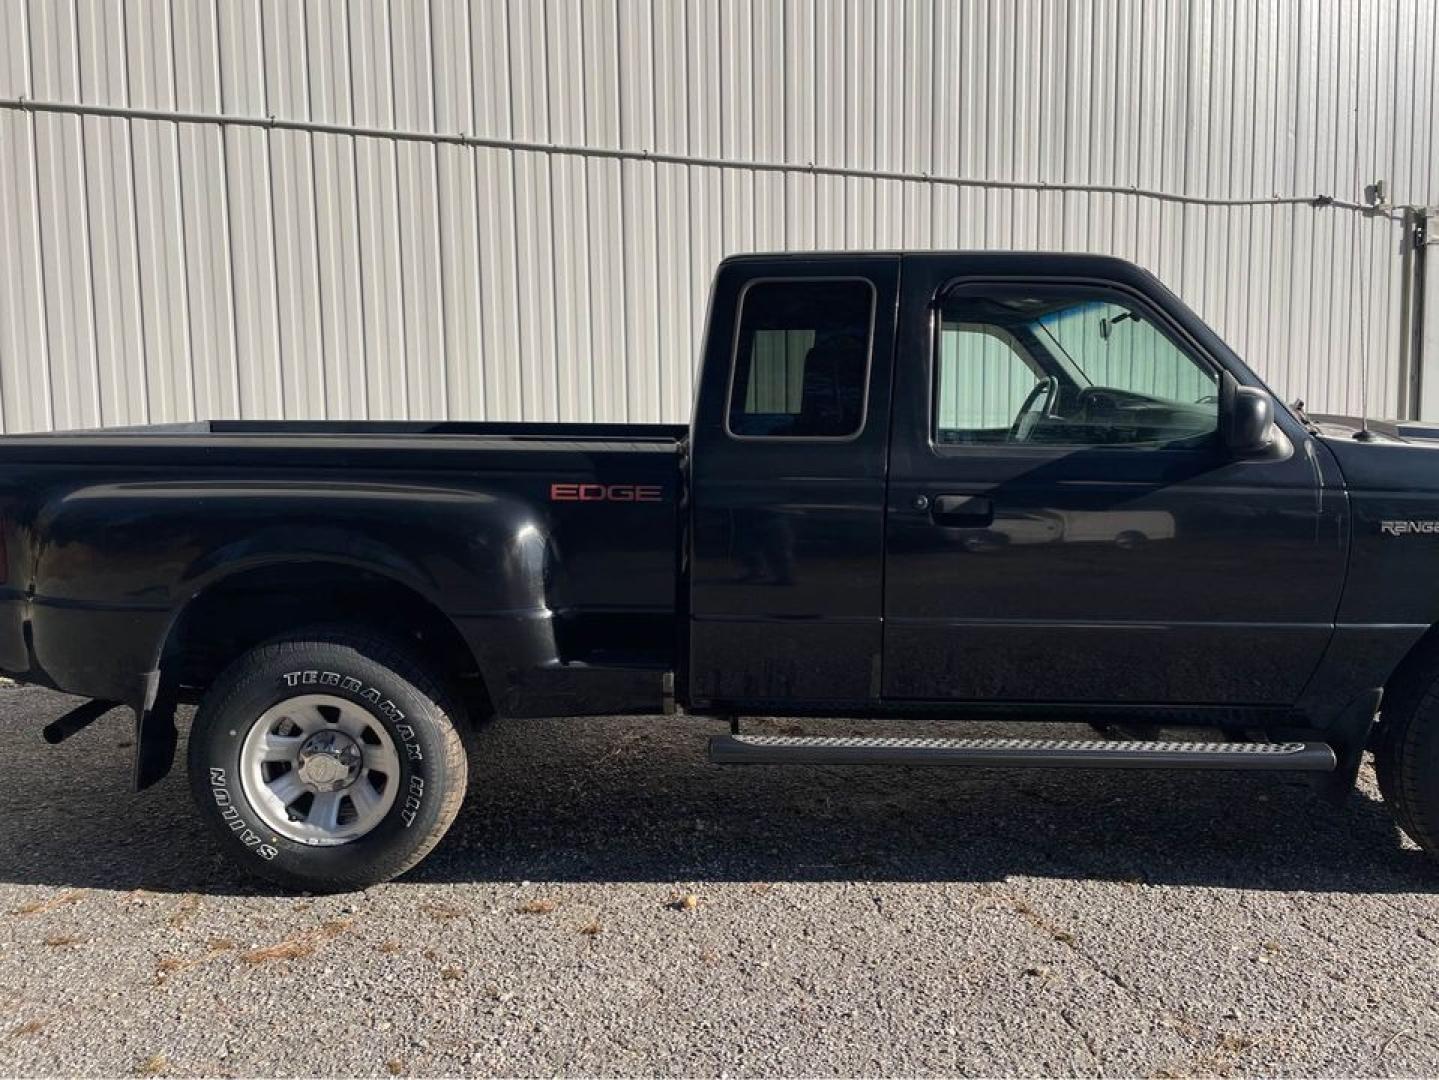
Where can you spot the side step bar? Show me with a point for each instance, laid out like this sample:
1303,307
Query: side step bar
1010,753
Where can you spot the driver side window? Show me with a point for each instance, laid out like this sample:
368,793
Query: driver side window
1065,366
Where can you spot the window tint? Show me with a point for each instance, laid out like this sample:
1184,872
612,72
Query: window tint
1066,367
801,362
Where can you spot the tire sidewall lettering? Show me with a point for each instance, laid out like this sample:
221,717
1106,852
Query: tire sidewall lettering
233,820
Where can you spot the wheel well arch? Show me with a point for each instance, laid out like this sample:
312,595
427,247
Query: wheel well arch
233,614
1413,673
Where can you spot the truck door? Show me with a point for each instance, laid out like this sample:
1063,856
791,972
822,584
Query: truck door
1064,523
790,443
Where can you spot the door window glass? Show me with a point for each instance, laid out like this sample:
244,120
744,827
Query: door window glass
801,364
984,378
1066,367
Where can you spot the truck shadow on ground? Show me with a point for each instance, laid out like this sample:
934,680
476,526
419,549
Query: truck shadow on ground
634,800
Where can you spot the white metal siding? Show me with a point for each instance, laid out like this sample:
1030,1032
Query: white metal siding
153,270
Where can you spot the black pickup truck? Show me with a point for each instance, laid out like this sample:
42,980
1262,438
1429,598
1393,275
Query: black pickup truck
960,485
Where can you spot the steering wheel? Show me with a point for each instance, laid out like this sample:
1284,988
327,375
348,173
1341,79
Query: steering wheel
1028,415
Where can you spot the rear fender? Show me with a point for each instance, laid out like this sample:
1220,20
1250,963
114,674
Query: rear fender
518,581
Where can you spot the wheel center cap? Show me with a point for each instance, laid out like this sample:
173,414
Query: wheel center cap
329,761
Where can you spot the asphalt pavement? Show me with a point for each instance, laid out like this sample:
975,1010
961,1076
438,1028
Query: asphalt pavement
610,904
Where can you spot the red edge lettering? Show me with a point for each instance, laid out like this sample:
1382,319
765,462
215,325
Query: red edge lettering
646,493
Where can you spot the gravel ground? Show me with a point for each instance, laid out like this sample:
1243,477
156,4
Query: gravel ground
863,921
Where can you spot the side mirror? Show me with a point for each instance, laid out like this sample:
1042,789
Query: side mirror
1246,418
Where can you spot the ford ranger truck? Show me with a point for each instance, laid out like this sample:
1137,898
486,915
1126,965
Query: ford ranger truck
958,485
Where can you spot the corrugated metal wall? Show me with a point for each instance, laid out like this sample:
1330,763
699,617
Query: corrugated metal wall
153,270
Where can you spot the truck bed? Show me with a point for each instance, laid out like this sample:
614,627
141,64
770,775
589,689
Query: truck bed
111,535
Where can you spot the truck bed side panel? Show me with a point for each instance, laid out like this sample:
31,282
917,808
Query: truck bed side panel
108,538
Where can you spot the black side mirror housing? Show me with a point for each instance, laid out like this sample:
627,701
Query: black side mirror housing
1246,418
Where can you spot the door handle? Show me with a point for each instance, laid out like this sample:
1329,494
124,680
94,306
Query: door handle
962,511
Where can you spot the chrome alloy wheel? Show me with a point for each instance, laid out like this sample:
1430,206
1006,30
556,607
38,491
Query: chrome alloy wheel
319,769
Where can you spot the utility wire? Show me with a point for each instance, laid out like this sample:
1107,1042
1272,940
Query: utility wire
274,123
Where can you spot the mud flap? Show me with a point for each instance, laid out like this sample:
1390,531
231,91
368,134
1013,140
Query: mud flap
155,735
1349,735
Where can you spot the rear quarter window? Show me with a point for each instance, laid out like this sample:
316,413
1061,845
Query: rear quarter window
801,359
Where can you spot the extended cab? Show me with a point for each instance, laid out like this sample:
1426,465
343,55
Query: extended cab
965,485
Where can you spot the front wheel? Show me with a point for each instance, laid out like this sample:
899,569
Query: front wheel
328,762
1406,756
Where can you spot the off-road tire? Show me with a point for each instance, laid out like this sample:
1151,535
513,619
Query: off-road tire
1406,756
380,675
